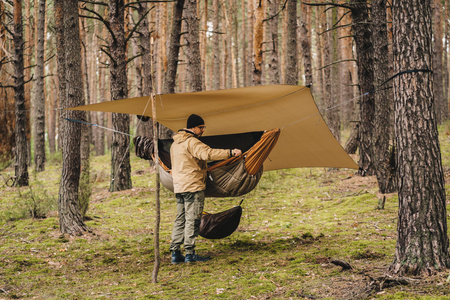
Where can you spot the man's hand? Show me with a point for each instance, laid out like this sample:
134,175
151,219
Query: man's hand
237,152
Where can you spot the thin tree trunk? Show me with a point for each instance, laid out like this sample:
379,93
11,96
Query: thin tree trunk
364,49
438,81
422,243
291,76
381,149
39,103
306,43
174,49
120,152
258,40
194,64
70,218
273,67
29,37
21,151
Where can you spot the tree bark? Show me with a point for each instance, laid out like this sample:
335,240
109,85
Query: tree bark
291,76
362,29
21,150
70,218
215,45
438,80
273,67
39,103
120,152
422,243
305,40
381,148
258,40
174,49
194,64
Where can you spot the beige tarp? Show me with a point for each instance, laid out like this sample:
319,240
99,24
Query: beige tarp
305,139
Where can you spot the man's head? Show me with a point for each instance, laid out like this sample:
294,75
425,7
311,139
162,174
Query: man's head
196,124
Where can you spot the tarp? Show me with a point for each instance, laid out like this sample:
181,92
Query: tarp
305,139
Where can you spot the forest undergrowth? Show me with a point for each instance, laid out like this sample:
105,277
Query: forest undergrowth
298,226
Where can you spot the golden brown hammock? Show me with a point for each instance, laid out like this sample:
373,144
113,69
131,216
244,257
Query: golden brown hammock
228,178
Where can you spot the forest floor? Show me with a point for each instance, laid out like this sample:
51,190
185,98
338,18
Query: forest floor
294,224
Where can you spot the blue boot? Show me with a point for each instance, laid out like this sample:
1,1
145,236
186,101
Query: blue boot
177,257
194,258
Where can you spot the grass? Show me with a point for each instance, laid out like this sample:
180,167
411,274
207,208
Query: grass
294,223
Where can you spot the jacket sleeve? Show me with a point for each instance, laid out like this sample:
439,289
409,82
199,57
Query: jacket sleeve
203,152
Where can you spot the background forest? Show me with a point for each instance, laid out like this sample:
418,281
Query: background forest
365,76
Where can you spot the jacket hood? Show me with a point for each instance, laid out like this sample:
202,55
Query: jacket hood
182,136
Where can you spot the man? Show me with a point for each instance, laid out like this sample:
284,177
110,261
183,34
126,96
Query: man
189,156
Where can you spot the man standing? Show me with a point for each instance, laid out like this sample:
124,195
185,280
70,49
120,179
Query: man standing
189,156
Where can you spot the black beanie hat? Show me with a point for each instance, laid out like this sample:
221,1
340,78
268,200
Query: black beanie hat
194,121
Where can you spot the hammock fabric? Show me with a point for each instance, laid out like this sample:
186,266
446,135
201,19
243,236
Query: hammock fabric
220,225
233,177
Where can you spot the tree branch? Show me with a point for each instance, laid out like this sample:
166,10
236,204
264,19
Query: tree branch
275,15
94,2
146,1
134,57
336,62
107,53
329,4
137,25
100,18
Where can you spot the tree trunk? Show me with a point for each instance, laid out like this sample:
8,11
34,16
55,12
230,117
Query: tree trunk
29,36
273,67
306,43
145,70
330,96
346,69
174,49
215,45
291,76
39,103
258,40
362,30
381,148
120,152
21,151
438,82
422,243
70,218
194,64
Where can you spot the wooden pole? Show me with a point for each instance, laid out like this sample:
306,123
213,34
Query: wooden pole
157,185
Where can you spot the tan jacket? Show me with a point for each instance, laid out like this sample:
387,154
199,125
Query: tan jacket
189,156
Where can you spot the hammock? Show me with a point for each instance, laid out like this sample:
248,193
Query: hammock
232,177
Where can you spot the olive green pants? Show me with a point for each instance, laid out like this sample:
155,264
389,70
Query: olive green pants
187,223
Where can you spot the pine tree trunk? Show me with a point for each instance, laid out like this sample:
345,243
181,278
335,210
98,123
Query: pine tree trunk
381,149
346,69
362,29
258,40
28,57
291,76
120,153
215,45
70,218
145,128
39,103
194,64
21,151
273,67
174,49
422,243
306,43
438,81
